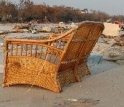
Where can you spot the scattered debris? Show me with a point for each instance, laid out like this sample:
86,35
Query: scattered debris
121,26
112,38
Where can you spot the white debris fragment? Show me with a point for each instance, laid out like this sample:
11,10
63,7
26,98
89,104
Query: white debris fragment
72,99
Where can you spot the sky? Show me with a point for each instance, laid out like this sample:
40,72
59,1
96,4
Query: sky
111,7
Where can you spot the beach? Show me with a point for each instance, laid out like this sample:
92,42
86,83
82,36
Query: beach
103,88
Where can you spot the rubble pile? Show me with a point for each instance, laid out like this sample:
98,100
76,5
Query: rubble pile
110,44
114,50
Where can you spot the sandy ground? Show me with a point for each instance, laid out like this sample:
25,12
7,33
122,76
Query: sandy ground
103,88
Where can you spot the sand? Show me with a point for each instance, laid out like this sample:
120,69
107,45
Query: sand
103,88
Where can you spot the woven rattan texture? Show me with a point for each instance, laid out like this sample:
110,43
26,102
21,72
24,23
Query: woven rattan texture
51,63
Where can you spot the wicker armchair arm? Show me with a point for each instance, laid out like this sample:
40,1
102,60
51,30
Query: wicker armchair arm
57,35
43,41
31,48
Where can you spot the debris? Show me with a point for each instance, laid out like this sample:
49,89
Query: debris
72,99
46,29
113,31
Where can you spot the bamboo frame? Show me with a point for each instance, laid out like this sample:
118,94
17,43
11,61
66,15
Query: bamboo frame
52,63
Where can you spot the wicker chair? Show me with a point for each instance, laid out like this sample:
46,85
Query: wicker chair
51,63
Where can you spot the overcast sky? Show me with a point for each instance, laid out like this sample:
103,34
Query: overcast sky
112,7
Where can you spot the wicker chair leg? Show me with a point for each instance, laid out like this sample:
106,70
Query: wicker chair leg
85,69
77,76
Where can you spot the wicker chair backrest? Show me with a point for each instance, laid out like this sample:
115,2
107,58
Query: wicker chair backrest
81,44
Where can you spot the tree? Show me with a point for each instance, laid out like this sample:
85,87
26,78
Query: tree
8,10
